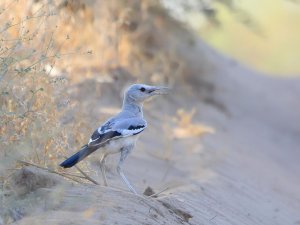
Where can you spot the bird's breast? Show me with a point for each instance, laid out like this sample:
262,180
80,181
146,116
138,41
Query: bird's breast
114,146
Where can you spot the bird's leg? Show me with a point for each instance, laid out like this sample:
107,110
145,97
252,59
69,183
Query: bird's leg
124,153
102,168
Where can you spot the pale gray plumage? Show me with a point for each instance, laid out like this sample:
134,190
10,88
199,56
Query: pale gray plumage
120,132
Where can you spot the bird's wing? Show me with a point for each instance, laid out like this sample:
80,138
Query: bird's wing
117,129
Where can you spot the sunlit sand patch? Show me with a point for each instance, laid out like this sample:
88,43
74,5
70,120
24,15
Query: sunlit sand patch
186,128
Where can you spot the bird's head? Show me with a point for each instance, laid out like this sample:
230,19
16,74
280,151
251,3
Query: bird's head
141,92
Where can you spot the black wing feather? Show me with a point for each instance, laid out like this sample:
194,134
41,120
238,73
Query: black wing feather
132,127
98,139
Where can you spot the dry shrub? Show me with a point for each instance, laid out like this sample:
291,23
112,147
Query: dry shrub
30,108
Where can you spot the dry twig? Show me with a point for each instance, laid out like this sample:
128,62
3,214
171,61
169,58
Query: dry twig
86,176
69,176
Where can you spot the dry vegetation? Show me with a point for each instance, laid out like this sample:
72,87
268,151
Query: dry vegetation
30,109
33,98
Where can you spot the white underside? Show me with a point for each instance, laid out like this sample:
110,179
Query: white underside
114,146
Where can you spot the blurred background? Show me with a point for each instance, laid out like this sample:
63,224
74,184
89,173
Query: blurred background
262,34
228,145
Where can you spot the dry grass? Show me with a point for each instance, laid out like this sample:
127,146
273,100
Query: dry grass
30,108
32,96
35,42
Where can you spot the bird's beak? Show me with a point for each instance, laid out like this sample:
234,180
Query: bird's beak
155,90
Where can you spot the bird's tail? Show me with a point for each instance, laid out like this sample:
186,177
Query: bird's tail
77,157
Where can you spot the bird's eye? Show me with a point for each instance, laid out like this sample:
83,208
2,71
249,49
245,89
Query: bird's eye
142,89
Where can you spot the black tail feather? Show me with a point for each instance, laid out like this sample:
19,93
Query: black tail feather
77,157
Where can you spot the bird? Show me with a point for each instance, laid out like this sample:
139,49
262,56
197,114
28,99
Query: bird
119,133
